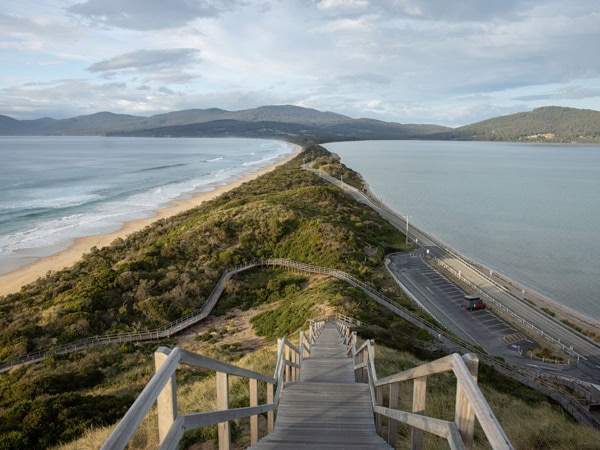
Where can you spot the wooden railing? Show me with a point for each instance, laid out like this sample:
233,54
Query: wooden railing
470,402
182,323
162,390
571,404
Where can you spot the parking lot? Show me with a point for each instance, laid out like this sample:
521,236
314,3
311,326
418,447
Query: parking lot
445,302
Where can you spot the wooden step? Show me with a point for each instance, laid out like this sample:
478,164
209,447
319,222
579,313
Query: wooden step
326,409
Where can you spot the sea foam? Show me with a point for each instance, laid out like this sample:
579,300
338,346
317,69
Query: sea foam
105,192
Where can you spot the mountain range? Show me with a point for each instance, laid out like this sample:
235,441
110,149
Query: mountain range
548,124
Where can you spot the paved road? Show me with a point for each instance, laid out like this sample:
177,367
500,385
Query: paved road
589,363
445,302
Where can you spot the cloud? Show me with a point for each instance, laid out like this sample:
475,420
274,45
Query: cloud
79,96
450,11
147,59
352,25
565,93
401,60
364,78
536,97
148,14
32,34
326,5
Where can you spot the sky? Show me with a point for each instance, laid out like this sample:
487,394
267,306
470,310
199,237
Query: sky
447,62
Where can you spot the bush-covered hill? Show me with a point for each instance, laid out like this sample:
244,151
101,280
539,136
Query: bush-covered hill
548,124
170,268
157,275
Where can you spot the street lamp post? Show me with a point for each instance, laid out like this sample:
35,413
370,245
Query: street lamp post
407,216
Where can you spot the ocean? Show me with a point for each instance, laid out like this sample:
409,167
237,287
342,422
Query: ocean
528,211
56,189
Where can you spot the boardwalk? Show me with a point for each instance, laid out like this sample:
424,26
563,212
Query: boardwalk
326,409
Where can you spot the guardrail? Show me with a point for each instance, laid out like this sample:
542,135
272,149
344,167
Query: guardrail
182,323
162,390
470,402
379,206
506,310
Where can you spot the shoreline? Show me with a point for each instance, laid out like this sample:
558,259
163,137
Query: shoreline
12,282
540,301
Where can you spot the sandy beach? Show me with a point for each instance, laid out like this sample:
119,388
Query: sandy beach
12,281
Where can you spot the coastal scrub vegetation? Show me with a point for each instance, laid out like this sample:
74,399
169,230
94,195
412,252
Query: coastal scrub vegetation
530,421
168,270
162,273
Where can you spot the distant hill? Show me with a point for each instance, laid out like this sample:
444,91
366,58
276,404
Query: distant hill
93,124
283,121
548,124
10,125
351,129
284,113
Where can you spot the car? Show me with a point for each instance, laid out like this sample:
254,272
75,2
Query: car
474,302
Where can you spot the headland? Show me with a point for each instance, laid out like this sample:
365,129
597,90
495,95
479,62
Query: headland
12,281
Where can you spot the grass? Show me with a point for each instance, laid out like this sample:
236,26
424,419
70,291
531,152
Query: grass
168,269
529,420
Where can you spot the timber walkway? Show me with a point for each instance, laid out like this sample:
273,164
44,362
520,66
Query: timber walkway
326,409
317,402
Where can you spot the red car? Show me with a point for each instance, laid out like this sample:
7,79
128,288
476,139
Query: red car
474,302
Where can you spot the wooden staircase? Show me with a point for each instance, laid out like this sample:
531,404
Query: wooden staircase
317,401
326,409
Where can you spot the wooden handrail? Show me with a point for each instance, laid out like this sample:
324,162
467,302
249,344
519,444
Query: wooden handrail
162,389
470,402
570,403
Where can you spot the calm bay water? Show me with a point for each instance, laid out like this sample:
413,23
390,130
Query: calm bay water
529,211
55,189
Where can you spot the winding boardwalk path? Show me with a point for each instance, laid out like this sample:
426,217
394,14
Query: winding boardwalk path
326,409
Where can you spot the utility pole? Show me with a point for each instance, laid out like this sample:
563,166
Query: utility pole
407,216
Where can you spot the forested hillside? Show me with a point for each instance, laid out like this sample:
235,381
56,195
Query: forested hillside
548,124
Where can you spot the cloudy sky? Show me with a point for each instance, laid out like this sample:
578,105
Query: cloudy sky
448,62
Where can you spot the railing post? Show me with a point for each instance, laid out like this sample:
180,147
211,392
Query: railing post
270,415
419,397
464,416
379,401
253,419
167,399
223,404
392,424
295,359
365,375
278,367
301,341
358,374
307,347
288,368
